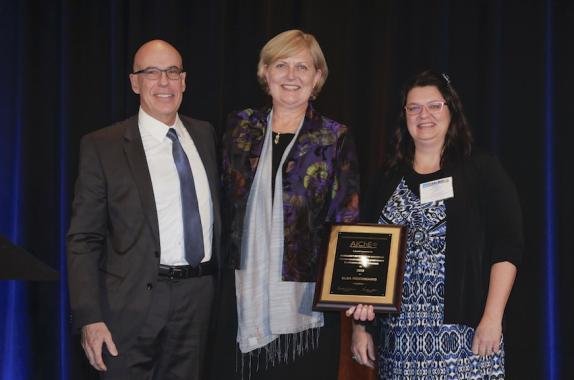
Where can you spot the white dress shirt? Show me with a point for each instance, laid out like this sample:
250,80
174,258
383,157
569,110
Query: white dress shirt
166,190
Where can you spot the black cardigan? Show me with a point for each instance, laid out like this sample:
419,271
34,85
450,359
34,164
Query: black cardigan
484,226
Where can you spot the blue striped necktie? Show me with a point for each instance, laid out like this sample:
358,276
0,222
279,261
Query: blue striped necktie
192,231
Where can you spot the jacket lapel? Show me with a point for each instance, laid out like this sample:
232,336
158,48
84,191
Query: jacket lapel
135,154
203,152
257,132
310,136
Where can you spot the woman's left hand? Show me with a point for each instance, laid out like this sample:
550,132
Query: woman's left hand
488,333
487,337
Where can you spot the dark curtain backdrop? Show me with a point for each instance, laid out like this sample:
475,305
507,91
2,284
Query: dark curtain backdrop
65,68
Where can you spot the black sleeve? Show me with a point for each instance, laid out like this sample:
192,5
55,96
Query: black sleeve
503,214
86,236
378,191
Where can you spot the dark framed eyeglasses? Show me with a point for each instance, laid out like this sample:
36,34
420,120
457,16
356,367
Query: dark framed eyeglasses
432,107
154,73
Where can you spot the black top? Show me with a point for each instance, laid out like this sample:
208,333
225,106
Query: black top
280,141
484,227
414,179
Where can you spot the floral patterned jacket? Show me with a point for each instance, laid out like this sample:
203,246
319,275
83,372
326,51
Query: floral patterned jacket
320,186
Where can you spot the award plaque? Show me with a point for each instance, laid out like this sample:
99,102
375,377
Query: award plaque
364,265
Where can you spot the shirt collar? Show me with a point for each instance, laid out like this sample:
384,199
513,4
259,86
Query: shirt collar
156,128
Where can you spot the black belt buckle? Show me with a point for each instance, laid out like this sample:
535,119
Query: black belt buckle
185,271
176,273
172,272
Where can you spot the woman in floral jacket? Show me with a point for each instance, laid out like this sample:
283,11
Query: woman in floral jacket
287,173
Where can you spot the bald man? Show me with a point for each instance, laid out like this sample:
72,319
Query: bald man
144,233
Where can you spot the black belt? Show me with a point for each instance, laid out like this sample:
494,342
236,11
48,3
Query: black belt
186,271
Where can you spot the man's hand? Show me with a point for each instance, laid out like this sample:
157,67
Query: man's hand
93,337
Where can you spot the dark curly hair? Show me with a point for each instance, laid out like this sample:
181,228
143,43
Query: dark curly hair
458,139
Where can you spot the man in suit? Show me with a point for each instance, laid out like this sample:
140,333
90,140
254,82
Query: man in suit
144,233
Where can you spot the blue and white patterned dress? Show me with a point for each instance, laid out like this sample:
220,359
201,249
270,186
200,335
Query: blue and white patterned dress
416,344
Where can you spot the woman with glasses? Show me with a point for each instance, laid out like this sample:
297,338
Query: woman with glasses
464,243
288,171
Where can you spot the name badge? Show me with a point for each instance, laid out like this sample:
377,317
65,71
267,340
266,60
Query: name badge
436,190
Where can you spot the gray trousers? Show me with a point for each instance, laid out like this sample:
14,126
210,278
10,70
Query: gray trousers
172,342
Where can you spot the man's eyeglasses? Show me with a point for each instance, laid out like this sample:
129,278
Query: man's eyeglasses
154,73
432,107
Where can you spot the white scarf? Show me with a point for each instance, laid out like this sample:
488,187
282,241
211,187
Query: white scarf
269,308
